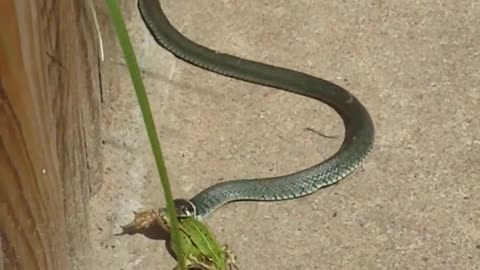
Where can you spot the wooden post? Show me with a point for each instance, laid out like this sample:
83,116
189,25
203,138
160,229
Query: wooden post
50,145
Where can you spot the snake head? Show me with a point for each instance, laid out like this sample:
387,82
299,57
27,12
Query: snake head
185,208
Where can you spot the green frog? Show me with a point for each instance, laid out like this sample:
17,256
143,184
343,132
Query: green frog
201,249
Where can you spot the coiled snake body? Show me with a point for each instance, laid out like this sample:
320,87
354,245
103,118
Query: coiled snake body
359,129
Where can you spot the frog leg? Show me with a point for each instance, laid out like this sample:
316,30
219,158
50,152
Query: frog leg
230,257
188,265
161,219
194,264
141,221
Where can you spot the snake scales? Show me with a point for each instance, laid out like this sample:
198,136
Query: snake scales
359,128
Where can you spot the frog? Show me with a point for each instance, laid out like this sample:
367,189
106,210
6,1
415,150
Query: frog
201,249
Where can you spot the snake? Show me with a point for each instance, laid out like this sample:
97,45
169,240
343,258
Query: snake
358,125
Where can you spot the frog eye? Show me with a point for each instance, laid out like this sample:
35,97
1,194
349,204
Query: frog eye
185,208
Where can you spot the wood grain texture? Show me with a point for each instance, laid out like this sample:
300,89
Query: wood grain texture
49,132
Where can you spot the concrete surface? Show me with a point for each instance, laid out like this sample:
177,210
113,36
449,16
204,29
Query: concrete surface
415,204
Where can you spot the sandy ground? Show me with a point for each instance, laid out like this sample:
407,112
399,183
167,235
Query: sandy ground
415,204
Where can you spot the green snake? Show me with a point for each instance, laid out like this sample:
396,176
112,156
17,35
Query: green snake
359,128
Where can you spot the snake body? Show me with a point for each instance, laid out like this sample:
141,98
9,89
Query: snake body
359,128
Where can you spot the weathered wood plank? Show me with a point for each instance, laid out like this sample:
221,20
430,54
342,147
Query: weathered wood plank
49,132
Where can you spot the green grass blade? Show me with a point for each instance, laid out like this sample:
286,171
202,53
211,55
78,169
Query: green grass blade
129,55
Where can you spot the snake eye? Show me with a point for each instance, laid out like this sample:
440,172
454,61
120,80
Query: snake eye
185,208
